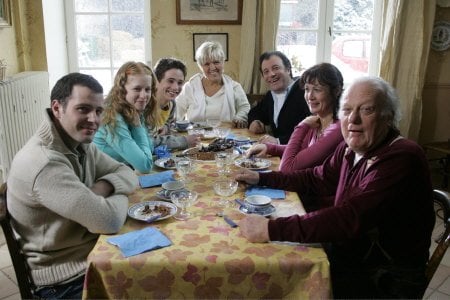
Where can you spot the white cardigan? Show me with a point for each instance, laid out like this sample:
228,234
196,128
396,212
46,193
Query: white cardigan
191,103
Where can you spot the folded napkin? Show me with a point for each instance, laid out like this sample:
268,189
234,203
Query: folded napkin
156,179
139,241
259,190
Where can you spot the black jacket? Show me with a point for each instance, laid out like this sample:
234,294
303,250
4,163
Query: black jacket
294,110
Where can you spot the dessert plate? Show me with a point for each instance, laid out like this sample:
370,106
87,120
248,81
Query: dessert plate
145,210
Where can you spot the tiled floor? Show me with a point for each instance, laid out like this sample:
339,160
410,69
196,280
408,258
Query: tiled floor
439,287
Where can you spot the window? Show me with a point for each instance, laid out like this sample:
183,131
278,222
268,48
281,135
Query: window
338,31
103,34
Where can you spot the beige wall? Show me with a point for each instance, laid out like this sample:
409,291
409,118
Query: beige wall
436,92
170,39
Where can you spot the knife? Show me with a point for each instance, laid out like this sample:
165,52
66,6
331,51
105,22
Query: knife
153,218
230,222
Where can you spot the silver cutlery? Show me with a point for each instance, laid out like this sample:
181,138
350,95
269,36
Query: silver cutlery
153,218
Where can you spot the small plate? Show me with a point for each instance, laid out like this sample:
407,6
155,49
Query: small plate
253,164
161,163
135,211
209,135
258,200
173,185
262,212
165,194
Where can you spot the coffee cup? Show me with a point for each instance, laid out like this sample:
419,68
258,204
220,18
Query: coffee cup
182,124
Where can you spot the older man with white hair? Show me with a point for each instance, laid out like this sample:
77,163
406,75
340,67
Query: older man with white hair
378,228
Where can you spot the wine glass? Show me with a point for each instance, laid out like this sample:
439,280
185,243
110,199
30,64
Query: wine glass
223,162
221,132
183,199
213,122
225,188
184,167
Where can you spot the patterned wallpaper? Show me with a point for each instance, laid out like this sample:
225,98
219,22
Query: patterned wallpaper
170,39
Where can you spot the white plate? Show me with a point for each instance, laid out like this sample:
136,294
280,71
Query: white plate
173,185
257,163
263,212
209,135
235,154
165,194
160,163
135,211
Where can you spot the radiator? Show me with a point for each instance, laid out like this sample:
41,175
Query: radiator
23,99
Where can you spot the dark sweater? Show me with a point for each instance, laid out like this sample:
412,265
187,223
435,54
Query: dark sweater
294,110
389,189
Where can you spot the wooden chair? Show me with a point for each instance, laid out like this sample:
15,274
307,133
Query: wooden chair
442,199
23,275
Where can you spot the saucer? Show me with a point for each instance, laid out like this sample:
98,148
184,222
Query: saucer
267,211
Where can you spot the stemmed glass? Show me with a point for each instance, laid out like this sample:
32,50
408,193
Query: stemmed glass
223,162
225,188
183,199
213,122
184,167
221,132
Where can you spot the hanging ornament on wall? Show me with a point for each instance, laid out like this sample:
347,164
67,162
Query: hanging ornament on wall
440,40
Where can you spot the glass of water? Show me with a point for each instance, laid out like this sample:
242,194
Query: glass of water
184,167
224,161
225,188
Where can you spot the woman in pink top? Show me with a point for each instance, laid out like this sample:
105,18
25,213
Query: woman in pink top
317,136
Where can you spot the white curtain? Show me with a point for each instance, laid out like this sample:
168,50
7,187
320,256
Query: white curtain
405,44
258,34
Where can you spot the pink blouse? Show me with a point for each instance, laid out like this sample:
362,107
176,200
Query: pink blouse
305,149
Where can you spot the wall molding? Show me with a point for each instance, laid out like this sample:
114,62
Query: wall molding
437,85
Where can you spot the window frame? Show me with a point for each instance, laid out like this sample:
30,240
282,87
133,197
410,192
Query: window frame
72,38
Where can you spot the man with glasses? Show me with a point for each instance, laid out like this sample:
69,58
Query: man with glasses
379,225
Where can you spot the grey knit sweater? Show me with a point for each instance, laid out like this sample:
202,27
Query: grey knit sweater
54,212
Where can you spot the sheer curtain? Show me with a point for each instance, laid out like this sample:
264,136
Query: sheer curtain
258,34
405,44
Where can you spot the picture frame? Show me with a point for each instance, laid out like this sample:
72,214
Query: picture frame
209,12
199,38
5,13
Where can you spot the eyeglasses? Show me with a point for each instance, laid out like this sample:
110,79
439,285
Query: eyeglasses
364,110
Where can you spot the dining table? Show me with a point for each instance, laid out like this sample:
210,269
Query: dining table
207,257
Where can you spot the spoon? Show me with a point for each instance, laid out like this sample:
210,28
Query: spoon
153,218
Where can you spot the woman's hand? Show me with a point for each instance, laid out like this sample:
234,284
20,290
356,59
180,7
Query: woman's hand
250,177
269,139
239,123
259,150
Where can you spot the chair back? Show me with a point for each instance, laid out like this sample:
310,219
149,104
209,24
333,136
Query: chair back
442,199
23,274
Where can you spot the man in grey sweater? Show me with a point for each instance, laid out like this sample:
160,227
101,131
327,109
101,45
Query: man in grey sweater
63,192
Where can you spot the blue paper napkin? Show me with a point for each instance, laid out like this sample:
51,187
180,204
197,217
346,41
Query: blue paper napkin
259,190
156,179
139,241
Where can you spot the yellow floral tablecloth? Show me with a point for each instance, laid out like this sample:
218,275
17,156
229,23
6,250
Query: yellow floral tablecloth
208,258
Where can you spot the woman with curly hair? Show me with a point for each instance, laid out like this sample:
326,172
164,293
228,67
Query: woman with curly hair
129,110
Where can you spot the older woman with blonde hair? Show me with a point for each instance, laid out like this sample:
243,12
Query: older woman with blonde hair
129,111
212,94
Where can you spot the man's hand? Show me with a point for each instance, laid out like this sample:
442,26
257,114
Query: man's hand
239,123
193,140
250,177
255,228
257,127
102,188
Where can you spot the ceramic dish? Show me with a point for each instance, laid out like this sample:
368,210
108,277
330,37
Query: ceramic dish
137,211
253,164
162,163
194,151
173,185
258,200
165,194
267,211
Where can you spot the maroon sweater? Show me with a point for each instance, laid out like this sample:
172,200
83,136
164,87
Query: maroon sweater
388,189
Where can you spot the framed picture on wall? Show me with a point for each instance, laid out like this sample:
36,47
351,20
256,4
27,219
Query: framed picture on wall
221,38
213,12
5,13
